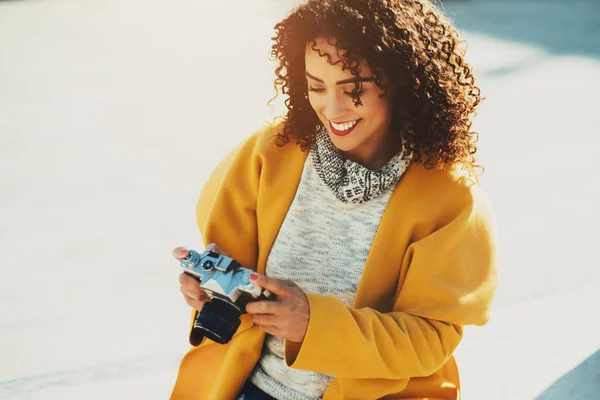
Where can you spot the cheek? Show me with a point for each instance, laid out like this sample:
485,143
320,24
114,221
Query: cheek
315,103
376,110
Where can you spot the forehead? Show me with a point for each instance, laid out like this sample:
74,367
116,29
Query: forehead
324,60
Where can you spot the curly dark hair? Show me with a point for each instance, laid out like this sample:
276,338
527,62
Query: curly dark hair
412,45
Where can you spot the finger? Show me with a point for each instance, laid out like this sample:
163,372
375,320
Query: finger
188,280
272,330
215,249
192,297
265,307
194,303
180,253
273,285
265,319
194,293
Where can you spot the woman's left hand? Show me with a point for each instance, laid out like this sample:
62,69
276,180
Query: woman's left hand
287,316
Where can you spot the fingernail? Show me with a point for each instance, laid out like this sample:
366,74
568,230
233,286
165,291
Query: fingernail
253,276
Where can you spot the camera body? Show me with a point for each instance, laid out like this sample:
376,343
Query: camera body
228,285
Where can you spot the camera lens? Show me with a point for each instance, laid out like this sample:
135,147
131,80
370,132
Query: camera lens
208,265
218,320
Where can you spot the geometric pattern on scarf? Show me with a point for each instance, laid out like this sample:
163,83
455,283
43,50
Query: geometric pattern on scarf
349,181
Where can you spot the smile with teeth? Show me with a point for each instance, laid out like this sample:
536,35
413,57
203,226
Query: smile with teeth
343,128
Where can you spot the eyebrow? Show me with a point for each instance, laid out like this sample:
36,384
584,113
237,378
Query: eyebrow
343,81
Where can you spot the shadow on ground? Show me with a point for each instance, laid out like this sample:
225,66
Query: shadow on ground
578,383
559,27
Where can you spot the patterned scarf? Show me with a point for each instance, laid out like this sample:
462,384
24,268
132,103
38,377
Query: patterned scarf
350,181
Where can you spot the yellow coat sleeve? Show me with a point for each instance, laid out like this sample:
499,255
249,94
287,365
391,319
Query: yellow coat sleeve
226,209
448,279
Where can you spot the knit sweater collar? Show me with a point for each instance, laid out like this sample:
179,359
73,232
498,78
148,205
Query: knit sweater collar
350,181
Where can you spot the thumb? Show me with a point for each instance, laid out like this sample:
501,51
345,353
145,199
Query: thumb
275,286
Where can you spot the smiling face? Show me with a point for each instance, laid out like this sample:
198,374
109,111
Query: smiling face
361,132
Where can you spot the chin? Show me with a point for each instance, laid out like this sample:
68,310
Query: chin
343,143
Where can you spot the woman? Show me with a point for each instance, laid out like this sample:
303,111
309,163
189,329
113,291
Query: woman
360,210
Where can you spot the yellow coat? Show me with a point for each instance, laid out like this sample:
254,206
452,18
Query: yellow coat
430,271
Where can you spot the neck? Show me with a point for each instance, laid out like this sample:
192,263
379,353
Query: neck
375,155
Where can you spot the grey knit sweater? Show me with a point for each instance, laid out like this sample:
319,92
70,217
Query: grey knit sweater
322,246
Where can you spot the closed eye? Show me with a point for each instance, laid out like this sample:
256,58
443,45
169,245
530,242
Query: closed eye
312,89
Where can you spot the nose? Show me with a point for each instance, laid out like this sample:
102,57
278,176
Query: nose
335,107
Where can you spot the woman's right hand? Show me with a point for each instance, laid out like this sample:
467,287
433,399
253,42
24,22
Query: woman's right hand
192,292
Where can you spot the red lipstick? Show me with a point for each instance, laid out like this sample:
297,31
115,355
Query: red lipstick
337,132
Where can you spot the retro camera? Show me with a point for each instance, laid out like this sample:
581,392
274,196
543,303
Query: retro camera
228,285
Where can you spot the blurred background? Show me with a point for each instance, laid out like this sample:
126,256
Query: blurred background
113,113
